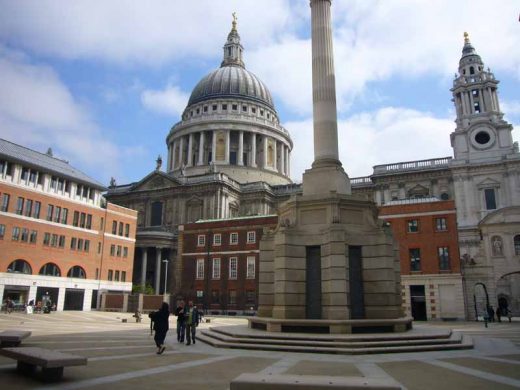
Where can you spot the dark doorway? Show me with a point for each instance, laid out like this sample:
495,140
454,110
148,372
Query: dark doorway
313,283
355,271
47,294
74,299
93,304
418,302
233,158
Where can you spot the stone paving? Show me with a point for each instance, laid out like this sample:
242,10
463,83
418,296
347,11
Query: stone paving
122,356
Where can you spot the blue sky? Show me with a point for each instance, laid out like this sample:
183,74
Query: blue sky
103,82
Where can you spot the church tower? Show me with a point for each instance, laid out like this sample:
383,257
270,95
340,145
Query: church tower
481,134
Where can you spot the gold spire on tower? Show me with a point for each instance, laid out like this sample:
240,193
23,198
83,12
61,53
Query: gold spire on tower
466,37
234,23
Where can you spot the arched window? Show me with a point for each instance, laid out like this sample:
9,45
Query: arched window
20,266
77,272
50,269
471,70
516,242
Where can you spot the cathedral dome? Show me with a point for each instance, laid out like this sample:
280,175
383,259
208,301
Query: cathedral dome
231,81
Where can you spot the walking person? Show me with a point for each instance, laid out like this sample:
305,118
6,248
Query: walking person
161,325
181,326
191,316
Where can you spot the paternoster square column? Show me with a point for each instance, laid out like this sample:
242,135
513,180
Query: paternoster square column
326,174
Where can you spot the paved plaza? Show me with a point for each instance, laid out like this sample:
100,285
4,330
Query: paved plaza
121,355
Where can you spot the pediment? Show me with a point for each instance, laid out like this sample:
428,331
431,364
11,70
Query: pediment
155,180
488,183
418,190
507,215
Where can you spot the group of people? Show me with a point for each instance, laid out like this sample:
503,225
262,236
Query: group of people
500,312
187,322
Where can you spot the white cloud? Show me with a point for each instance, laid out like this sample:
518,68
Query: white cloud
123,31
171,100
37,110
388,135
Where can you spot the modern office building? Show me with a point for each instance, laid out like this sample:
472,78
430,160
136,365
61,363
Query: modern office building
59,239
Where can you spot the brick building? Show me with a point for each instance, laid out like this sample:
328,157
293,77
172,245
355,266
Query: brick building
426,231
218,263
58,237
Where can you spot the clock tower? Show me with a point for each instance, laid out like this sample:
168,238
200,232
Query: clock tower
481,135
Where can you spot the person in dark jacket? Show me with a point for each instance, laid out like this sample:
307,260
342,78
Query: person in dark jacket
161,325
179,312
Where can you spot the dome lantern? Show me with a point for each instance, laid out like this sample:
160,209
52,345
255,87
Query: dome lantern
233,49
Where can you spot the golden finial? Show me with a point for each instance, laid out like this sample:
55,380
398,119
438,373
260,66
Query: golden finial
234,20
466,37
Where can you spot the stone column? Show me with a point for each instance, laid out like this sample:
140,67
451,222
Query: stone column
253,149
169,164
214,146
275,154
240,159
174,156
201,149
190,150
281,169
181,151
323,84
144,260
158,253
326,174
228,143
264,164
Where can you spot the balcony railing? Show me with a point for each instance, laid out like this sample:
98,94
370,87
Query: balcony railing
434,163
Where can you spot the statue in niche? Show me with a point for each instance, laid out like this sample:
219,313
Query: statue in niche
497,246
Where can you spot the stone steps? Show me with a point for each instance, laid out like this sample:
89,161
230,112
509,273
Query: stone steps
222,338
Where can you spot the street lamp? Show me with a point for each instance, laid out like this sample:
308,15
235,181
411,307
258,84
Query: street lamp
165,261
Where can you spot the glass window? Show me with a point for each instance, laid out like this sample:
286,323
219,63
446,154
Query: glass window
200,269
75,219
123,276
5,202
19,206
415,259
37,208
233,267
116,276
77,272
50,269
217,239
215,296
46,239
99,248
156,219
110,273
201,240
232,297
118,253
216,269
82,220
54,240
61,242
251,237
127,230
112,250
2,231
121,225
516,241
125,251
25,235
444,258
440,224
73,243
413,226
28,207
489,194
16,233
233,238
250,297
114,227
20,266
250,267
34,237
89,221
57,214
64,216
